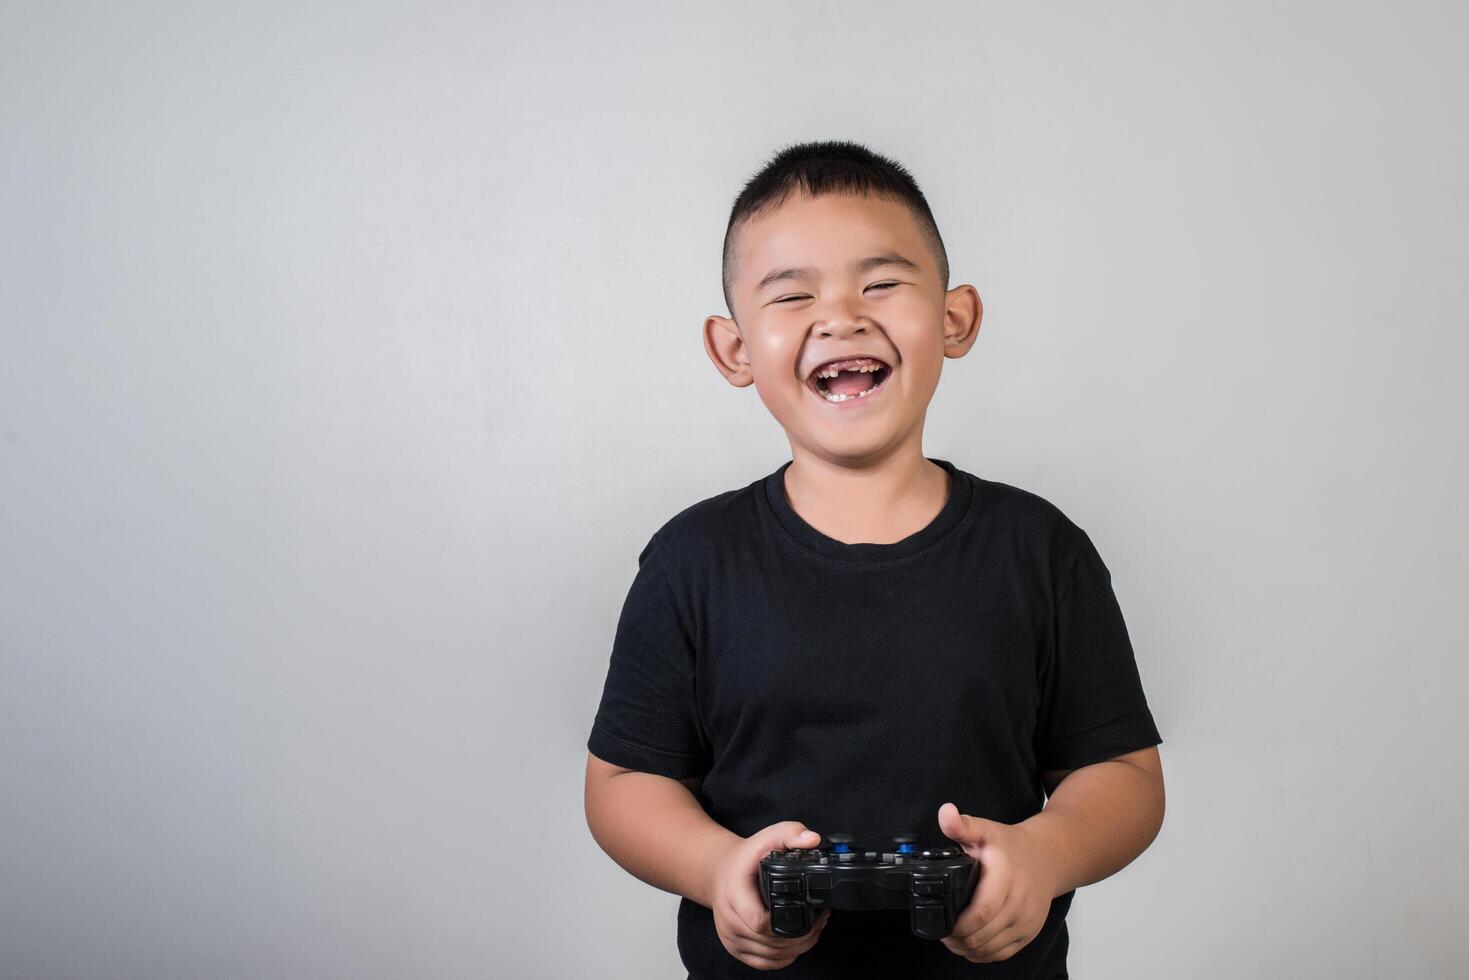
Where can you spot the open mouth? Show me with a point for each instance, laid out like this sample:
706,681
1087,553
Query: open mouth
849,379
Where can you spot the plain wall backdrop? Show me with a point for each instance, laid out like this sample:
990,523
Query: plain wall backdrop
350,353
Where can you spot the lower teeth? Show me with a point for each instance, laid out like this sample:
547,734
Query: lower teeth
841,398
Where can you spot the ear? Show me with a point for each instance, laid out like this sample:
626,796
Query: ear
726,348
962,313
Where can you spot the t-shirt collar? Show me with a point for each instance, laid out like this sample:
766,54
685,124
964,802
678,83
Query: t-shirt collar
961,492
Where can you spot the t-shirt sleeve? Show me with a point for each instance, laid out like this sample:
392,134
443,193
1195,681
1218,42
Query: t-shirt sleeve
1092,706
648,716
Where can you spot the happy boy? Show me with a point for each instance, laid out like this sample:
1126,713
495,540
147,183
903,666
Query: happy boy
867,640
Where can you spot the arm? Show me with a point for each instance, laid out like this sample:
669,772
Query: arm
1099,818
655,828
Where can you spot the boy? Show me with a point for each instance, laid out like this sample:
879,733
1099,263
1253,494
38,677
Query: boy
866,641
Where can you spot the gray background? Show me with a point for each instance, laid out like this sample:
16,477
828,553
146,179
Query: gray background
351,354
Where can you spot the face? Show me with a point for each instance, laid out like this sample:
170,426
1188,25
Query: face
833,278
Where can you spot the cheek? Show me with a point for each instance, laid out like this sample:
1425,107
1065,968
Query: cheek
923,359
776,390
773,360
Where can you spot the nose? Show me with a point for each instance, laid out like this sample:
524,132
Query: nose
842,321
840,329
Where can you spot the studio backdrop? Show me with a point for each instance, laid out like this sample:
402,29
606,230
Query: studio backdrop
349,354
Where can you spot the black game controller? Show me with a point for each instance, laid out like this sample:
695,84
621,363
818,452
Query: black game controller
933,883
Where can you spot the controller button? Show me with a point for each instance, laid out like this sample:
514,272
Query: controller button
928,886
930,921
789,919
785,886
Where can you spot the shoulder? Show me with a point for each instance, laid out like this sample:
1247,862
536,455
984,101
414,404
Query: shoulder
1025,507
700,531
1029,522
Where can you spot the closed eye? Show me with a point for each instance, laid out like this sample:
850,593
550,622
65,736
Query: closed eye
876,285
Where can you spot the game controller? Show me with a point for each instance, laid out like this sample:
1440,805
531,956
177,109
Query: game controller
933,883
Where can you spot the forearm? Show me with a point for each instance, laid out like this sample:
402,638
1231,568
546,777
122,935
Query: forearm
655,828
1099,819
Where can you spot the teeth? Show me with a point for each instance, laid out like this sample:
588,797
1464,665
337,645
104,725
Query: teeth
861,369
841,398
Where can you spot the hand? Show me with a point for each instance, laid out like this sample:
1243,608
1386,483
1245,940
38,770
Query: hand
740,917
1015,890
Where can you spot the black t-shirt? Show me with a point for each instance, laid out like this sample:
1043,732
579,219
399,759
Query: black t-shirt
857,687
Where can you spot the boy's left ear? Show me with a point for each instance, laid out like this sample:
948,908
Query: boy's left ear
962,313
726,348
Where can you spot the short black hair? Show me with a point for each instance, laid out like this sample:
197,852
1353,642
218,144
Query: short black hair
829,167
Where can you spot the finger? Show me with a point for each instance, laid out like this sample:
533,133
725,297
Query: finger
1005,946
988,899
755,947
761,962
769,944
779,946
972,831
787,833
806,838
798,943
804,943
999,930
753,921
1012,949
783,954
745,899
750,912
748,906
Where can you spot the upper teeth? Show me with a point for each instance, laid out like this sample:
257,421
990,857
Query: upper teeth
866,368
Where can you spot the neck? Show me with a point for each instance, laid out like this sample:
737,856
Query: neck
879,501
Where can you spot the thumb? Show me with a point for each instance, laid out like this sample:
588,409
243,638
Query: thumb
964,829
787,833
778,836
